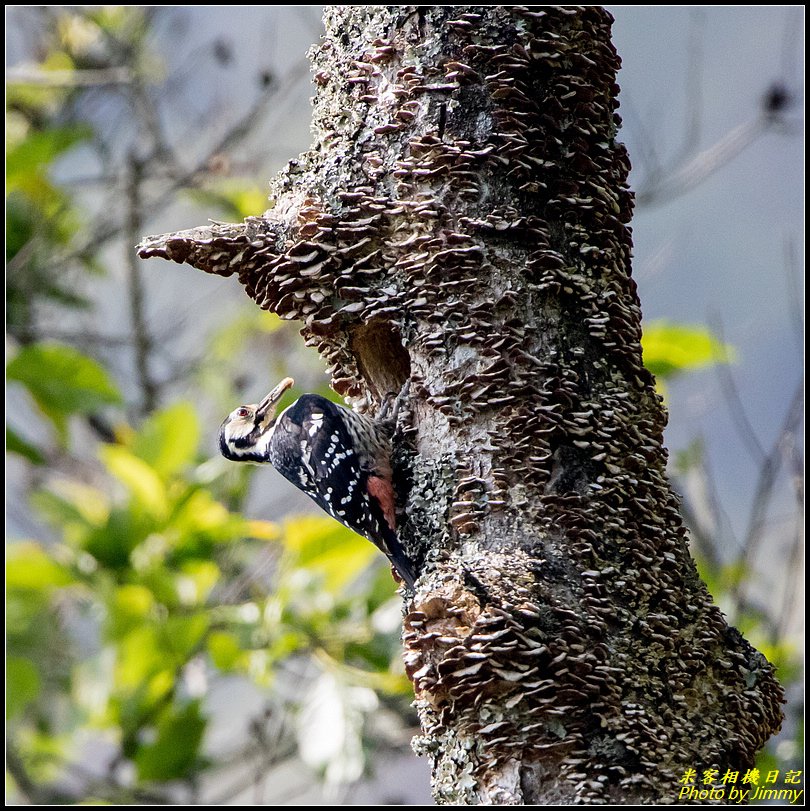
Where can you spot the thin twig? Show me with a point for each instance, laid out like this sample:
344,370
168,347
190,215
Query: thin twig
77,338
142,339
768,473
734,402
794,26
794,570
705,540
109,228
704,164
35,75
694,85
27,786
243,784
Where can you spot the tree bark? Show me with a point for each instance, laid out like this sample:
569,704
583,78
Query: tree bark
461,222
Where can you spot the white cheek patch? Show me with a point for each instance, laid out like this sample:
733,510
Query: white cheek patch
239,428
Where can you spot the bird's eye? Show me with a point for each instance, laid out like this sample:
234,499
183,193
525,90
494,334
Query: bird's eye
242,412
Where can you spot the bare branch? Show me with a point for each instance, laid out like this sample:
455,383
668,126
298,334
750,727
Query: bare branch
734,402
694,84
702,165
768,473
143,341
794,569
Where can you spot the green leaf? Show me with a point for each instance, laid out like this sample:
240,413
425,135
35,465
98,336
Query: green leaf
141,656
175,752
131,606
125,532
141,480
114,19
16,444
183,635
25,159
225,650
200,519
74,509
670,349
62,381
22,685
263,530
324,544
168,440
29,566
236,199
196,580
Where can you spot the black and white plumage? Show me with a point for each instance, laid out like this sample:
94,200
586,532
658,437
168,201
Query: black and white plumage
340,459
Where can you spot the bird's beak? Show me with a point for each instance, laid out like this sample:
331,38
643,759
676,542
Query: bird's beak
267,406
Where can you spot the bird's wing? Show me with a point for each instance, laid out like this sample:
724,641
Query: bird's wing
324,463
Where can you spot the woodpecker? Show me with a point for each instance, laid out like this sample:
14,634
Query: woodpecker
340,459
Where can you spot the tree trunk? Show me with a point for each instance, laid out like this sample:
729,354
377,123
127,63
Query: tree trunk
461,221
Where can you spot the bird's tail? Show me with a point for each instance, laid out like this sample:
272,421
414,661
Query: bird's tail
402,564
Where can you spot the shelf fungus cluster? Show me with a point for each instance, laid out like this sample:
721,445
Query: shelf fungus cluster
462,223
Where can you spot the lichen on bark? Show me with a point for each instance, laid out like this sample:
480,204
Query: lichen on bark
462,222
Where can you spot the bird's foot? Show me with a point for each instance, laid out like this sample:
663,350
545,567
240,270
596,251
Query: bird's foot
389,411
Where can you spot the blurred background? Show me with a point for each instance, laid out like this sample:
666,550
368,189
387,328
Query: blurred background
182,629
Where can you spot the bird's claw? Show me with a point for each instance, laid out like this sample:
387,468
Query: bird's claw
389,411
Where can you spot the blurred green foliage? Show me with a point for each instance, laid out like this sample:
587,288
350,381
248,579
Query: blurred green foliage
671,349
235,199
154,579
167,573
41,219
62,382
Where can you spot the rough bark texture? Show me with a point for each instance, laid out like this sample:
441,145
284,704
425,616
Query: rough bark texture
461,221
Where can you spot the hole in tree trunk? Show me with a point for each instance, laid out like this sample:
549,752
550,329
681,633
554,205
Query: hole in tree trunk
382,360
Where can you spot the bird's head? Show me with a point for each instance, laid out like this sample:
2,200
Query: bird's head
246,432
